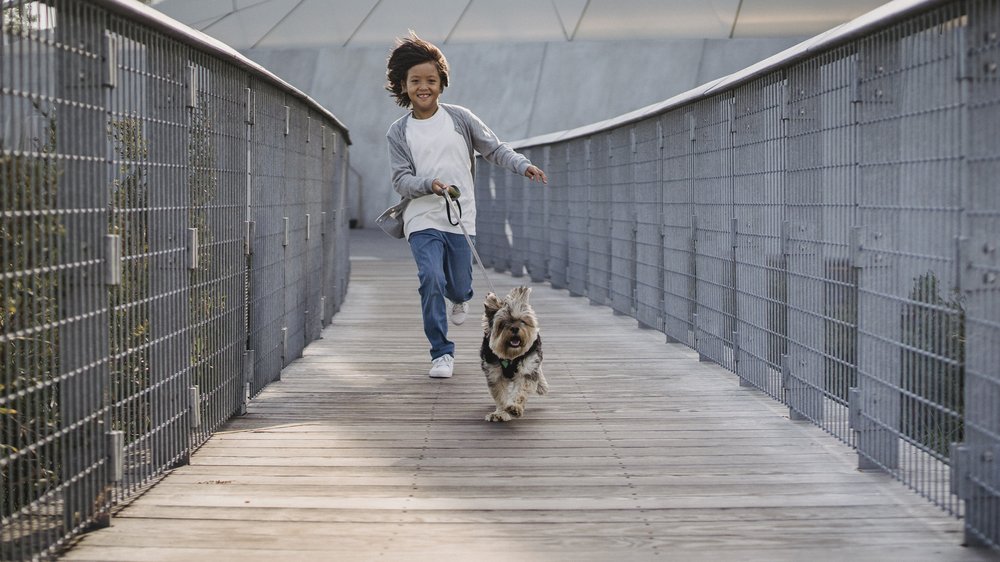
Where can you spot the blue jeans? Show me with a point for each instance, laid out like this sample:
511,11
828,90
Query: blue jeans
444,267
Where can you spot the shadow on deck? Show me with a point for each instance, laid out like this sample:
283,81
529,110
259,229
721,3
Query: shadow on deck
639,452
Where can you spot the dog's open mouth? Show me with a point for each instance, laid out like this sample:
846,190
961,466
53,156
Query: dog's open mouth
514,341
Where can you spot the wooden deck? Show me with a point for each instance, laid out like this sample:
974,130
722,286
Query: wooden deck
640,452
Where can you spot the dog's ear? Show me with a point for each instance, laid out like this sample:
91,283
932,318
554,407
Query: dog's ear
492,305
520,294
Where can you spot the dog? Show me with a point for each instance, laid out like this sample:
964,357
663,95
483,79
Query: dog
511,354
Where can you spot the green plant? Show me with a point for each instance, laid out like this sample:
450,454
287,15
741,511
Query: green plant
933,366
18,19
30,237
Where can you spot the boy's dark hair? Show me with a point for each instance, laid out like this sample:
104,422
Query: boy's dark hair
409,52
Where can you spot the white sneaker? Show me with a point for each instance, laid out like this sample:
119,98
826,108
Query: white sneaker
442,366
459,311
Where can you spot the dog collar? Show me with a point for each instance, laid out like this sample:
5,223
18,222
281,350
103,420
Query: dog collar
504,363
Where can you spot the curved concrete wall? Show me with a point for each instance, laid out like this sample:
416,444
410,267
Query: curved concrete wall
519,89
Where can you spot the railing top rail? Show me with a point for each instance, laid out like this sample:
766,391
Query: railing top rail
880,17
148,16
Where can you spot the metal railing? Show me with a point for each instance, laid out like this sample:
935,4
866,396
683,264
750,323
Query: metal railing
825,224
172,232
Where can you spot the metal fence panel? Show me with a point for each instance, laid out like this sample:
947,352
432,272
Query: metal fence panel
911,320
820,212
484,212
622,228
536,207
758,200
218,268
578,194
267,193
313,184
326,184
678,211
128,162
295,254
518,198
557,216
335,234
492,219
649,266
714,231
177,136
599,220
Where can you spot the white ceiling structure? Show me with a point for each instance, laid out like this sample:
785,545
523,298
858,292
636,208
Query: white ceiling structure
248,24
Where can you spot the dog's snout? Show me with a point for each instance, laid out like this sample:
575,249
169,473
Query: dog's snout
514,330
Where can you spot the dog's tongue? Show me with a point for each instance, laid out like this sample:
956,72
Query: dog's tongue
515,342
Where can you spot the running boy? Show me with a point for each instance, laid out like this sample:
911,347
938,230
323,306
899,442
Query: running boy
430,148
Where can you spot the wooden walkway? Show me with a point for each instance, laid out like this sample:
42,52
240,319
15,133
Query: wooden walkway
639,452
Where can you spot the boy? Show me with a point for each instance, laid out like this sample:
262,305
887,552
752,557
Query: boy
431,148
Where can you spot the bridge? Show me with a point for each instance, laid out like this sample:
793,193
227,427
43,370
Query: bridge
639,452
769,307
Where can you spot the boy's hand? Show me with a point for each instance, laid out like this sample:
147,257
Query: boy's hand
534,173
439,188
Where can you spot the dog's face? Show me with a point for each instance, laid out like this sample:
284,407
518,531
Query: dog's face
510,323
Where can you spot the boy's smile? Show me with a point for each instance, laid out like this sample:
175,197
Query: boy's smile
423,87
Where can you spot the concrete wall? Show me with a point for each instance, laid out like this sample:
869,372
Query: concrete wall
519,89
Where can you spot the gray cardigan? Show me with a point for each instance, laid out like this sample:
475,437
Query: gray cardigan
478,137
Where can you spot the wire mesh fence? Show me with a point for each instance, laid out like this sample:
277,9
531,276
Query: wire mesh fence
172,233
826,228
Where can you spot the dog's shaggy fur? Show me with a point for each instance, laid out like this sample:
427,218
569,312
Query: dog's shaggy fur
511,353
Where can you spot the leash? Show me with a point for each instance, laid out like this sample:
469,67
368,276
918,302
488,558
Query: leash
447,196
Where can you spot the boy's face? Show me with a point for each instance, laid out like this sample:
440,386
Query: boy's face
423,87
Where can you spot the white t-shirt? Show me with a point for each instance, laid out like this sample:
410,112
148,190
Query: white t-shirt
439,151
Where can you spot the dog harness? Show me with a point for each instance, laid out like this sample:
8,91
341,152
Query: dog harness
508,366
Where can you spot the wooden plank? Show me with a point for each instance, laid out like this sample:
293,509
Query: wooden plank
577,549
846,515
639,452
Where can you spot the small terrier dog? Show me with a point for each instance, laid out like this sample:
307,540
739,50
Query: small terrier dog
511,353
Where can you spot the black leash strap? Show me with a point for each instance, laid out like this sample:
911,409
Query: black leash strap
468,239
447,208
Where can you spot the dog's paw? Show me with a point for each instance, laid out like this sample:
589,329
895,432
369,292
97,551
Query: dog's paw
542,389
515,410
497,416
